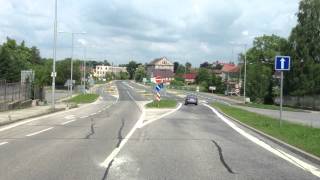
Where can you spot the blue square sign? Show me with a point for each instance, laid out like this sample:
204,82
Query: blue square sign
282,63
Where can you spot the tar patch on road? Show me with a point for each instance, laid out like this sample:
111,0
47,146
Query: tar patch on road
120,132
105,176
222,158
91,129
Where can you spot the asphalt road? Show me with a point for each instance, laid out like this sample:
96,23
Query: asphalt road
50,149
191,143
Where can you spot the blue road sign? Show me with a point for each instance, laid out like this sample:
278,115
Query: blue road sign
282,63
158,88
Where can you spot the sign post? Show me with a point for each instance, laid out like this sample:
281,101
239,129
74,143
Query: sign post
282,63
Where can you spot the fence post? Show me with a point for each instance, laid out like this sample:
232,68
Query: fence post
5,91
19,91
12,93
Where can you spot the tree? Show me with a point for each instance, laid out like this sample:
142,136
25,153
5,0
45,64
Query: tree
140,73
206,65
303,79
131,68
260,66
203,76
106,63
63,71
175,66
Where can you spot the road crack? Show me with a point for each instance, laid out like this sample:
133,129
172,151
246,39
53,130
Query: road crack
91,129
120,132
222,158
105,176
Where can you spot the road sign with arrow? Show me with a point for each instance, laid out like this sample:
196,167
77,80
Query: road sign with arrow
282,63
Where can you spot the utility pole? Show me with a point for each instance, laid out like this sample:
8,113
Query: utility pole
54,55
245,73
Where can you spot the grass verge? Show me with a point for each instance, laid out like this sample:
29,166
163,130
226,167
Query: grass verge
303,137
272,107
165,103
84,98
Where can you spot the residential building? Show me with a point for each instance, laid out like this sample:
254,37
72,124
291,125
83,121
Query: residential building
161,68
190,77
101,70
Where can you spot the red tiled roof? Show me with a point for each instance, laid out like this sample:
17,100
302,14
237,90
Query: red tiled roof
230,68
190,76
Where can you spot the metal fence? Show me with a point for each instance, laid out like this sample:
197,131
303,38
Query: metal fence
305,102
13,93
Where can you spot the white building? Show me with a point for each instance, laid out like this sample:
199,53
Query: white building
102,70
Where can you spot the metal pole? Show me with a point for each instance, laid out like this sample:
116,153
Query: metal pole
54,56
245,73
71,71
84,69
281,97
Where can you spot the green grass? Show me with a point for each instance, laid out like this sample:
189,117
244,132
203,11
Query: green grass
272,107
165,103
303,137
84,98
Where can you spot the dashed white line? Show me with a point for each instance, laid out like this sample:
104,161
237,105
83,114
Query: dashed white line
67,122
93,114
82,117
3,143
38,132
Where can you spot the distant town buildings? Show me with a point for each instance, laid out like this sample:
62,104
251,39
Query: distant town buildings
161,68
101,70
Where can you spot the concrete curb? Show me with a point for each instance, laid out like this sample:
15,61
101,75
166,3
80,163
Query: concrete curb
30,117
285,145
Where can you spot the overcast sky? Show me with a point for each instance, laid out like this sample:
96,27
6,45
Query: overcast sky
122,30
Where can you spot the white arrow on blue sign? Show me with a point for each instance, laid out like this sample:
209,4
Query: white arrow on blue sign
158,88
282,63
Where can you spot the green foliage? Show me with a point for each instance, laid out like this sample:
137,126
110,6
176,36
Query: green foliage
140,73
304,40
84,98
177,83
63,69
131,68
164,103
206,78
124,75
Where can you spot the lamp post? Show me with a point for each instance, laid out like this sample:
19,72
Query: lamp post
72,50
53,74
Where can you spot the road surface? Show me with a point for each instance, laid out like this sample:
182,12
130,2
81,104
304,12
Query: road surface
191,143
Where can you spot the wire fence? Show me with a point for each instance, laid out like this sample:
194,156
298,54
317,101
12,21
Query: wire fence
13,94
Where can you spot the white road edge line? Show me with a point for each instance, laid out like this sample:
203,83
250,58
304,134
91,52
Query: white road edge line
3,143
38,132
297,162
160,117
67,122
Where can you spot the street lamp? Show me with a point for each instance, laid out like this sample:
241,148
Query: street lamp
53,74
245,69
72,49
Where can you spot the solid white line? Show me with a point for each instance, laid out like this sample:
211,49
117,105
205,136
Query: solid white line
68,122
70,117
3,143
38,132
115,152
163,115
297,162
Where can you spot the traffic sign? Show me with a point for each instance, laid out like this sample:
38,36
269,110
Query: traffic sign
158,88
158,79
282,63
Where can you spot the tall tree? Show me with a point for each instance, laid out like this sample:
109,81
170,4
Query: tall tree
175,66
131,68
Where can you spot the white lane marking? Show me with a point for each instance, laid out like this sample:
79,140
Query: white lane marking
13,125
163,115
99,111
70,116
38,132
82,117
297,162
115,152
93,114
3,143
67,122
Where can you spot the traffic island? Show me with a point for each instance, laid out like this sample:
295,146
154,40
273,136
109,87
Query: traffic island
83,99
299,136
165,103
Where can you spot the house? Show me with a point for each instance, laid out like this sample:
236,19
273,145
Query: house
102,70
190,77
161,68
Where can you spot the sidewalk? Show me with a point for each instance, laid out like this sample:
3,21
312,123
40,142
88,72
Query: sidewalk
305,118
7,117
